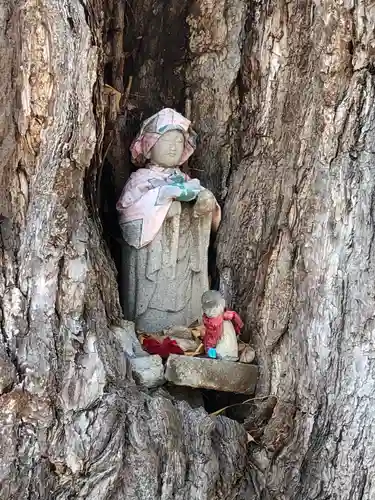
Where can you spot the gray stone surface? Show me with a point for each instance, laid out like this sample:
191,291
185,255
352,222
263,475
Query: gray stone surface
163,281
148,371
247,355
211,374
128,339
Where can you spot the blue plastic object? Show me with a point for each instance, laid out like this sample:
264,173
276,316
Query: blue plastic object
211,353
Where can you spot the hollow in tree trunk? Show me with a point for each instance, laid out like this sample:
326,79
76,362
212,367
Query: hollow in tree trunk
282,96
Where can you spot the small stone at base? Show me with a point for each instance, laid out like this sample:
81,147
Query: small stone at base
213,374
148,371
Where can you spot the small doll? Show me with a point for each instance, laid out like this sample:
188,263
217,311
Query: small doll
221,327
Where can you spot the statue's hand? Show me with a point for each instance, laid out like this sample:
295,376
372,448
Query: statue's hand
205,203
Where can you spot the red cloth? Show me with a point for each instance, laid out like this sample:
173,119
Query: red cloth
214,327
164,348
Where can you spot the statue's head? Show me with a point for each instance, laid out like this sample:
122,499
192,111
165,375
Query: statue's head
213,304
168,150
165,139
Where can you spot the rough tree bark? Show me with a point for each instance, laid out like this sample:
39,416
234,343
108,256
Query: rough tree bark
73,423
297,239
283,98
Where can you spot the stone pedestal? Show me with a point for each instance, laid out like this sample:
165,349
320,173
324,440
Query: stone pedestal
148,371
211,374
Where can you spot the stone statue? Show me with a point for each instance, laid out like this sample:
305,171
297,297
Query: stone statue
166,219
221,327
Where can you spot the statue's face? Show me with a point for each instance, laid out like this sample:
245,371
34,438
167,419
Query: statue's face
168,150
213,311
213,304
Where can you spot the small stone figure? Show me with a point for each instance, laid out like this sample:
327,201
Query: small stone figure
166,220
221,327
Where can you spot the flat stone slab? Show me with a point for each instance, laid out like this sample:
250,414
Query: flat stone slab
213,374
148,371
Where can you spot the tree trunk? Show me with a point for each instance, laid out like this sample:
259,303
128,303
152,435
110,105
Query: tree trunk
297,240
73,423
282,97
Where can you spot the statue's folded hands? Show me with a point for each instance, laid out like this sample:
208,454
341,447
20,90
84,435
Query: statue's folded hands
205,203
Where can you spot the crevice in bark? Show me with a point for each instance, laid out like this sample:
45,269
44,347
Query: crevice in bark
7,382
155,61
153,44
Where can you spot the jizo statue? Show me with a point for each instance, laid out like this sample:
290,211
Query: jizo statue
166,219
221,327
